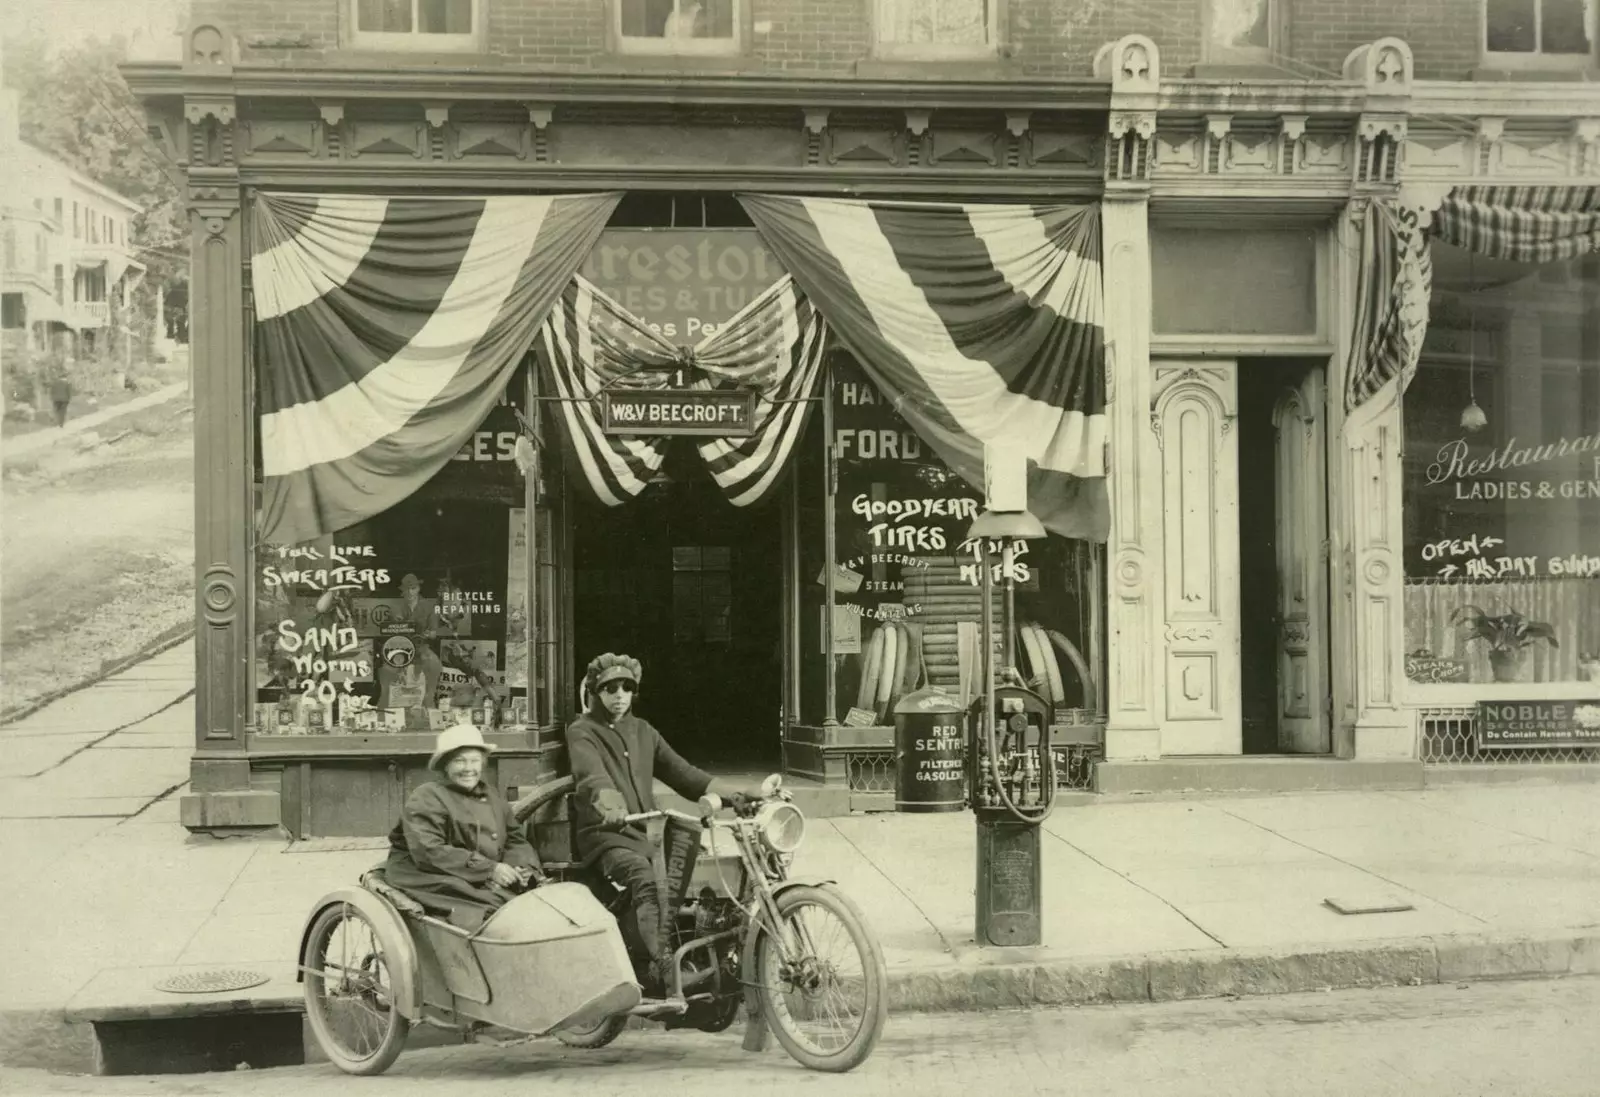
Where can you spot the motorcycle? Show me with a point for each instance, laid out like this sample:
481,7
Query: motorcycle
795,955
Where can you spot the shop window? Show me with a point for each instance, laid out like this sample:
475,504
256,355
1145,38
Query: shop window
678,26
411,618
1535,31
1502,475
936,29
702,594
429,25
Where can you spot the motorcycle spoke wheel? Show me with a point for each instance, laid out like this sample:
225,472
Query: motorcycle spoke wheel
349,998
824,988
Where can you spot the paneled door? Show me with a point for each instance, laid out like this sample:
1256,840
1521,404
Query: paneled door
1196,405
1302,526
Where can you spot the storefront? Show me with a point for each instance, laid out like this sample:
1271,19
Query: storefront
1216,298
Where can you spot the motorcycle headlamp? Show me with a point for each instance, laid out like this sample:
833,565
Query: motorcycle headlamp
782,827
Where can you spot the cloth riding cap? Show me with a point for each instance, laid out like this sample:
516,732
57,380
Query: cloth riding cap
608,668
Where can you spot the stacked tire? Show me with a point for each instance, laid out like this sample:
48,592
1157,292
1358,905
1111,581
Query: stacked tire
948,601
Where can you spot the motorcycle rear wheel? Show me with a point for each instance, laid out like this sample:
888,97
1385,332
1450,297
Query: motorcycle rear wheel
352,981
802,999
597,1037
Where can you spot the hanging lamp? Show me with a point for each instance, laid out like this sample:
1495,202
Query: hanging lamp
1473,418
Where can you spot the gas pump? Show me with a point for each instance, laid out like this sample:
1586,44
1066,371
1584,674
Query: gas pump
1011,777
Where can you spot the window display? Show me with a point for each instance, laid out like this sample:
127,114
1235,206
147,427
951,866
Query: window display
406,620
1502,475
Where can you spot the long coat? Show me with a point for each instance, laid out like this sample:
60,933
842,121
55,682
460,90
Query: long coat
624,757
443,850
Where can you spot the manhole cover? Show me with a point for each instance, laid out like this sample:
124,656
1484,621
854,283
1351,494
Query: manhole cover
210,982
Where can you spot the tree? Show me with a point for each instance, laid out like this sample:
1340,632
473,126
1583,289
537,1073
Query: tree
75,106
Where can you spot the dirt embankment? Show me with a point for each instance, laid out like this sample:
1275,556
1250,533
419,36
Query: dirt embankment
97,538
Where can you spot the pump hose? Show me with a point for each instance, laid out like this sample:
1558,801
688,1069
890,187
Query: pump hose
1047,776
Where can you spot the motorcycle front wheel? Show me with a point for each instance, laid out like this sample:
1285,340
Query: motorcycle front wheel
827,1000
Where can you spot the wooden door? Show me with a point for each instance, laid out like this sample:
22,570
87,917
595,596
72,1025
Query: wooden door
1298,421
1196,405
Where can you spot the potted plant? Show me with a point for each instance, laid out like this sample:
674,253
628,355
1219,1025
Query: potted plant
1589,666
1508,636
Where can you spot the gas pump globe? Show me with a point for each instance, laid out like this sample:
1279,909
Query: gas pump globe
1011,777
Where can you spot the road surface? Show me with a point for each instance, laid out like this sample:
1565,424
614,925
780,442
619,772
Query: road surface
1533,1039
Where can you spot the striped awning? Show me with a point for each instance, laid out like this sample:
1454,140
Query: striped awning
774,346
386,329
982,324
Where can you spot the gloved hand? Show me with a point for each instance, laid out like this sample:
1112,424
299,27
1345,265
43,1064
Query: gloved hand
746,800
612,807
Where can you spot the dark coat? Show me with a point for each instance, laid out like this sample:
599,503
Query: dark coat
443,850
624,758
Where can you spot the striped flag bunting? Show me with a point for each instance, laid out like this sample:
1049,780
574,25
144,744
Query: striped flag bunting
982,324
774,345
1528,224
385,330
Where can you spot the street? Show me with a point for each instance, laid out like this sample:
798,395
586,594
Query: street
1506,1039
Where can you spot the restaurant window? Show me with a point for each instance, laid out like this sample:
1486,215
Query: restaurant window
1502,475
677,26
1534,30
427,25
401,622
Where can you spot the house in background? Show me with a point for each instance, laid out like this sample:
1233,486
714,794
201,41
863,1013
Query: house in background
69,269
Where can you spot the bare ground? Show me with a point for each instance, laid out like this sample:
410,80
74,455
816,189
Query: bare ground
98,551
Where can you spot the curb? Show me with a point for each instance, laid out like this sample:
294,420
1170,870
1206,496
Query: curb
47,1039
166,641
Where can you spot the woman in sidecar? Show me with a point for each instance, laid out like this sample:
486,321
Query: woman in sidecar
456,849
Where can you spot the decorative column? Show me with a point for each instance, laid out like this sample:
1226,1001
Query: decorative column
220,796
1134,695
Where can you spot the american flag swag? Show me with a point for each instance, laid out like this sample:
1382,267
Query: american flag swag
982,324
386,329
774,345
1391,316
1525,224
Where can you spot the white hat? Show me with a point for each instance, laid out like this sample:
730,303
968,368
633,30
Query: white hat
454,738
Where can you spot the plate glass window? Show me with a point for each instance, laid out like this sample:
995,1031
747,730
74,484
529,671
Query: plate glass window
936,28
677,26
1520,29
449,25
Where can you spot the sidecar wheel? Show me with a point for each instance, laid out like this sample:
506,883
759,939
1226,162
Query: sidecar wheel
597,1037
828,999
349,998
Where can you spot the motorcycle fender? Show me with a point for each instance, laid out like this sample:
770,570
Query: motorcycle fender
396,938
755,1025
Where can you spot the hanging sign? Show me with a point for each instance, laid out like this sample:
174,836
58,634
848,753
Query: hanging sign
720,413
1553,724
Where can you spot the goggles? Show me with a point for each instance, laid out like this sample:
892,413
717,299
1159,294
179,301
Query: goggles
618,684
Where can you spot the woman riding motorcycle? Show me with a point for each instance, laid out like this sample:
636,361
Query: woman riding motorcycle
615,758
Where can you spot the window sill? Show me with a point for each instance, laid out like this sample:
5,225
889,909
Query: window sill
354,57
877,68
1579,72
1236,70
623,63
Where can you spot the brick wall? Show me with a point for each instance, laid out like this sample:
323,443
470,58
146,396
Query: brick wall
1046,38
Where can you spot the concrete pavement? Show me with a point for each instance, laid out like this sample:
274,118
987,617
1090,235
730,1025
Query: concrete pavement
103,893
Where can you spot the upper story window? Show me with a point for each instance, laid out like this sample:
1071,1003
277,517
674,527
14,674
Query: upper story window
58,211
1249,31
936,29
1554,33
446,26
677,26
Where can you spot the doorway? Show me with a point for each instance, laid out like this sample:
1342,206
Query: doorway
1285,696
691,586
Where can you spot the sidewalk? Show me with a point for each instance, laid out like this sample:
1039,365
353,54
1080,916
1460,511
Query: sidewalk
102,890
12,448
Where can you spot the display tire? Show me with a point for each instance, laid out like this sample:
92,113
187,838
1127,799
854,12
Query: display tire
599,1036
875,980
1052,667
393,1039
